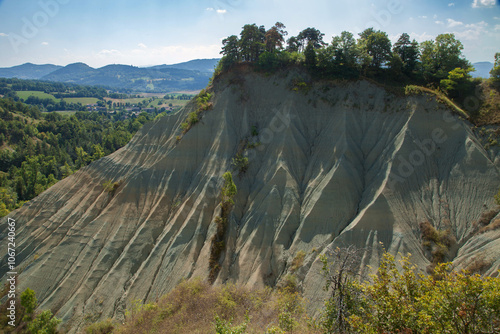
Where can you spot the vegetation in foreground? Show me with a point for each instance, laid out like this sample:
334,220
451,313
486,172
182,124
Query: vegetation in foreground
27,319
397,299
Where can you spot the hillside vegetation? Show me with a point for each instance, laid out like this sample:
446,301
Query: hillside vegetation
393,301
53,96
38,149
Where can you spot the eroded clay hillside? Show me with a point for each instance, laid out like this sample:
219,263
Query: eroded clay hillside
329,164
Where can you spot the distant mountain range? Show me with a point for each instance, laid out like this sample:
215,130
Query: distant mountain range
28,71
191,75
202,65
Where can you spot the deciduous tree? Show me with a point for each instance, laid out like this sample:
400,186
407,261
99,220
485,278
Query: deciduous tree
441,56
377,45
345,48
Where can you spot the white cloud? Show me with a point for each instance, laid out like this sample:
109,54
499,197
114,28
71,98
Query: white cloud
421,37
422,17
452,23
3,34
480,25
142,46
109,53
221,11
483,3
472,31
497,27
439,22
45,43
168,54
210,9
451,4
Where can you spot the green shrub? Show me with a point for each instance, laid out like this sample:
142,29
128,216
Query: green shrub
29,302
203,104
298,260
254,131
104,327
289,283
44,323
299,85
437,243
111,187
226,327
240,163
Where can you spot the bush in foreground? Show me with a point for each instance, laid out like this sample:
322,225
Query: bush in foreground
197,307
397,299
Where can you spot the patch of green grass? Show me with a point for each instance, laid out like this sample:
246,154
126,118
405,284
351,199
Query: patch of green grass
27,93
83,100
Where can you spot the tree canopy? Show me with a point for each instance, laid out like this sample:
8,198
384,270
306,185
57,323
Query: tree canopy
371,54
377,45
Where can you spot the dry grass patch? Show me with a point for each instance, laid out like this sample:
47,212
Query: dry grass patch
437,244
193,307
486,222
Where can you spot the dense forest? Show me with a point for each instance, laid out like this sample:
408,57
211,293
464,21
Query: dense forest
438,64
38,149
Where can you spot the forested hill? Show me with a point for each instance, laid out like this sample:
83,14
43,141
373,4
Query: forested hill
131,77
28,71
192,75
38,149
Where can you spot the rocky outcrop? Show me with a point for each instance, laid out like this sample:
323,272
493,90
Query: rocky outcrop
329,164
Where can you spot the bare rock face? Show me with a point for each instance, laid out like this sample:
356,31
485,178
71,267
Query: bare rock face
330,164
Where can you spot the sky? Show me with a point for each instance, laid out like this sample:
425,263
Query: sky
154,32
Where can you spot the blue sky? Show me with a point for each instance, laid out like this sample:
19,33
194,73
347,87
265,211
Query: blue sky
152,32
